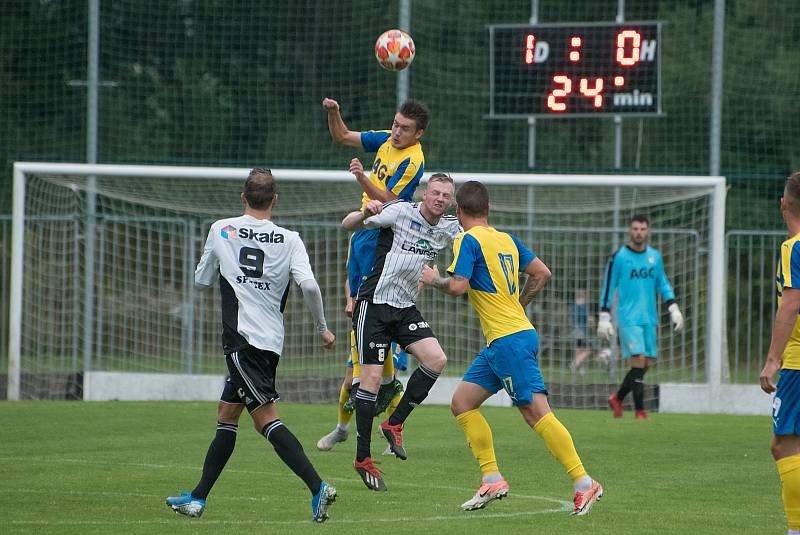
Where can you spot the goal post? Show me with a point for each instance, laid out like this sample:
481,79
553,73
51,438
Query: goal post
152,220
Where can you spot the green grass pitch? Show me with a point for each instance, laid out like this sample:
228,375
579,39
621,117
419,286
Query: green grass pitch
71,467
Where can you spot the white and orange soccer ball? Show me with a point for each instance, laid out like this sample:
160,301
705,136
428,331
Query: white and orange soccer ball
394,50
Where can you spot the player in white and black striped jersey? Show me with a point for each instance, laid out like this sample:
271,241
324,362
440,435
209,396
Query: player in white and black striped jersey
411,235
255,261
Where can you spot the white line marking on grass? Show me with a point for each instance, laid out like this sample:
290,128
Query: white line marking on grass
471,515
563,505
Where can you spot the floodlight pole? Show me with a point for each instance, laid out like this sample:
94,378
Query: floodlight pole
717,60
90,233
404,22
532,120
618,145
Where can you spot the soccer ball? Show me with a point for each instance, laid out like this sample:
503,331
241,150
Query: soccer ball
394,50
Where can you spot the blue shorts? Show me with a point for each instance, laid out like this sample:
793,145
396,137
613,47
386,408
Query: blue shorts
400,357
360,257
786,405
638,340
509,362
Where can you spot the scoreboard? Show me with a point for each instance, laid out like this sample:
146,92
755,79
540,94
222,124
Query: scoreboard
576,69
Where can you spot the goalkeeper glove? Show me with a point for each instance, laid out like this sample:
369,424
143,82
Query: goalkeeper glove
605,329
676,317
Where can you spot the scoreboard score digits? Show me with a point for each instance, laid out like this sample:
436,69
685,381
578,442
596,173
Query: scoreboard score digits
590,69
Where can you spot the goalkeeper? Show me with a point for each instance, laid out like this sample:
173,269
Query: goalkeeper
636,273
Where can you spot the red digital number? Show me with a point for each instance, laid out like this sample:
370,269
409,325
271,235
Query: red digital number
530,41
636,42
594,93
555,94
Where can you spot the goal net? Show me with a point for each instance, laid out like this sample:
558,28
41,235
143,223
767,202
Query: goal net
104,258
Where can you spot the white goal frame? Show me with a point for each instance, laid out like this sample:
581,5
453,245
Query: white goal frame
716,254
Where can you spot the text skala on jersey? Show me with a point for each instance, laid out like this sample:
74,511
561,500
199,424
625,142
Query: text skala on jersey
263,237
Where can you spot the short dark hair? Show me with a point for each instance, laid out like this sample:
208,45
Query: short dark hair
792,189
417,111
641,218
259,188
473,199
441,177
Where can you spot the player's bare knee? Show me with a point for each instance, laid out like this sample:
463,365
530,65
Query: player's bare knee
776,449
460,406
229,412
370,377
438,362
785,446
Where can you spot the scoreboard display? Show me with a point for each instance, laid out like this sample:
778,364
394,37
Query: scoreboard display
589,69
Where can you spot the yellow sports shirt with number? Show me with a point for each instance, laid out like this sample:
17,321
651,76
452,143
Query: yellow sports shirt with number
396,170
492,261
788,276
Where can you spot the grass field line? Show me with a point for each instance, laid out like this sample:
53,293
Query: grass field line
563,504
438,518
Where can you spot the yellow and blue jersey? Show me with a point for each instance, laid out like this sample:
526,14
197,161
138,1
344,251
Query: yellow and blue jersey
397,170
492,261
636,277
788,276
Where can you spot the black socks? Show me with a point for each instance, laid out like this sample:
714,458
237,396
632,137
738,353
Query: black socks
217,456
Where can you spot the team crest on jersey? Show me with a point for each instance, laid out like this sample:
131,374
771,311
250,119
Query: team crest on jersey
651,260
416,225
229,232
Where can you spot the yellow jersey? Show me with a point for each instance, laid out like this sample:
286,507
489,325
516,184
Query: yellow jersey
788,276
396,170
492,261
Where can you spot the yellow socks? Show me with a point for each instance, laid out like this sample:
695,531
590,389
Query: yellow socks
789,470
393,404
559,442
344,416
479,438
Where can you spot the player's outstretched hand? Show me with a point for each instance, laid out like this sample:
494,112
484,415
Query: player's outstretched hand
429,274
676,317
330,105
356,167
328,339
767,372
605,329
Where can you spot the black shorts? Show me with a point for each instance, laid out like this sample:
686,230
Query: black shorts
251,377
376,326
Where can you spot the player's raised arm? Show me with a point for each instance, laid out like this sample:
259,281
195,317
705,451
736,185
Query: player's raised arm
785,320
372,191
339,132
208,266
355,219
538,275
